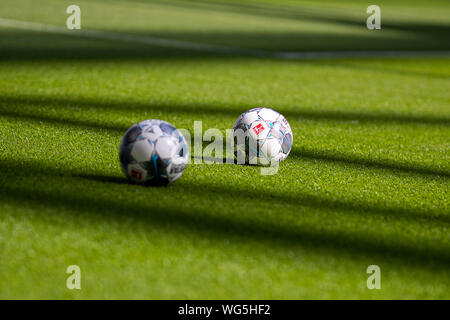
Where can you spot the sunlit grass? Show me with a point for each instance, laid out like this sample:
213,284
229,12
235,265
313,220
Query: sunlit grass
367,181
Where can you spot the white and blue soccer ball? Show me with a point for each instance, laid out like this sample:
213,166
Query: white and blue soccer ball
153,152
268,136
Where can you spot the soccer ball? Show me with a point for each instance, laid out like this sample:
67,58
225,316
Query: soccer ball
153,152
267,136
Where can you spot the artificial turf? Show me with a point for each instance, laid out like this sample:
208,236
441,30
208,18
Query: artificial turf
367,180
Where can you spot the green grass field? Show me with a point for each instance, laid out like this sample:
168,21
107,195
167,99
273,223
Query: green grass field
367,181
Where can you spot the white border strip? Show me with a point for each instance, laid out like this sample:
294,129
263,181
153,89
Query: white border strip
187,45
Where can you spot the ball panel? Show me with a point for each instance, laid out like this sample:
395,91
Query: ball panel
287,143
286,125
176,168
152,132
166,147
167,128
249,117
142,150
271,147
240,125
268,114
131,135
238,122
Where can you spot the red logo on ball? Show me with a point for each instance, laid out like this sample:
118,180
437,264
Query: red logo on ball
136,174
259,128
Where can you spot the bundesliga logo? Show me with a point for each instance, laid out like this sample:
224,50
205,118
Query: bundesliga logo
136,174
259,128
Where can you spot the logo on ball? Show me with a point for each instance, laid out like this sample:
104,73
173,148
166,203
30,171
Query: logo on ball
136,174
259,128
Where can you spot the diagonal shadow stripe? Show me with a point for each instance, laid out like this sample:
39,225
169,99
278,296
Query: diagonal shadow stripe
300,199
295,198
353,160
220,226
381,69
85,124
298,12
8,103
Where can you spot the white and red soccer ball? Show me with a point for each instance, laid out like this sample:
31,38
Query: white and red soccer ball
267,138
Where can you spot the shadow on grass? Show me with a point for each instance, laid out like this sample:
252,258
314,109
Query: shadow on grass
367,163
38,46
54,120
299,199
213,225
7,103
396,35
301,13
380,69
